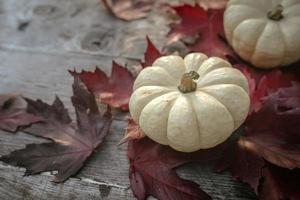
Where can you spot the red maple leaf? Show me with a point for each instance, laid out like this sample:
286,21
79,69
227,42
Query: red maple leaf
152,170
129,9
13,114
114,90
71,146
206,26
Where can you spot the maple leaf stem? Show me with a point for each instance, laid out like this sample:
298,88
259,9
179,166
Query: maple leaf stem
276,13
187,82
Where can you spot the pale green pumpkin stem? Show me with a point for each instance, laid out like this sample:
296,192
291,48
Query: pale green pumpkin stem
276,13
187,82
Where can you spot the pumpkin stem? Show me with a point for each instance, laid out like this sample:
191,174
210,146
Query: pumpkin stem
276,13
187,84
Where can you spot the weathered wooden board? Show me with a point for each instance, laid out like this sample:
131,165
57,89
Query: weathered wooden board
82,26
14,186
39,41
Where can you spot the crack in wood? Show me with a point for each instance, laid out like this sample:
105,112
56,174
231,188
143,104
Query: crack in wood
100,183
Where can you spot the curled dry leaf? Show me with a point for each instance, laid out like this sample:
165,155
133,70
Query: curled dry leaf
13,114
133,131
129,9
71,146
114,90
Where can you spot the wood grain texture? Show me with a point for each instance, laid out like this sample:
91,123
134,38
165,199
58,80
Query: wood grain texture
14,186
80,26
39,41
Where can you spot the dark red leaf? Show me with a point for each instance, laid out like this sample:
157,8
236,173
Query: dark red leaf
272,134
114,90
211,40
71,146
152,170
273,131
269,83
129,9
13,113
207,26
251,73
151,54
279,183
243,164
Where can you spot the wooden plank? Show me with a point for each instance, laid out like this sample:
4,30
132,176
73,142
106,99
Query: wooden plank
14,186
81,26
109,164
55,25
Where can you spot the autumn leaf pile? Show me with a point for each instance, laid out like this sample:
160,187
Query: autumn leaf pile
264,152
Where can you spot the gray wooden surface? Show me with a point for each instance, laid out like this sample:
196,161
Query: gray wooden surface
39,41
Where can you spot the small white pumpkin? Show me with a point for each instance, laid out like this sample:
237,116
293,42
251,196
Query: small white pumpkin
173,109
264,32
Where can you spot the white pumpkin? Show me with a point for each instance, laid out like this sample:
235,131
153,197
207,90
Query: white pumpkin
264,32
173,109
